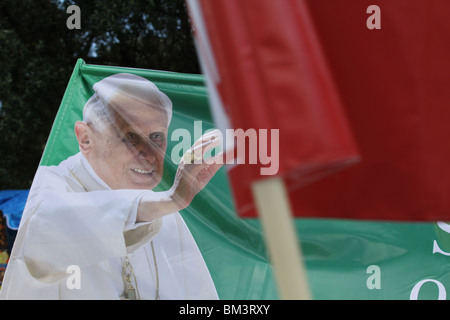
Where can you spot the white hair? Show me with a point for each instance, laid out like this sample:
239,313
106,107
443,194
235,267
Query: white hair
97,108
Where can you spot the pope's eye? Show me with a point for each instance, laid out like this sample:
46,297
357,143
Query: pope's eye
157,137
131,138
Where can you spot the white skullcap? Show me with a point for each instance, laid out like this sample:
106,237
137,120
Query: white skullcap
135,87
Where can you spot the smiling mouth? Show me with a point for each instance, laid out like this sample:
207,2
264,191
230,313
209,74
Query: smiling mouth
141,171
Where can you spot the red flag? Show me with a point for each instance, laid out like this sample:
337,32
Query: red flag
319,72
394,85
267,79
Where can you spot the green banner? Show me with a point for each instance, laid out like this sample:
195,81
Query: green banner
345,259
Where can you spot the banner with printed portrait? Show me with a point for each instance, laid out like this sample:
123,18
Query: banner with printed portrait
345,259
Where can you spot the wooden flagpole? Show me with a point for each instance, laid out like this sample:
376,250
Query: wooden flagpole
281,238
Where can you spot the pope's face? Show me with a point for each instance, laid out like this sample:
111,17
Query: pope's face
129,153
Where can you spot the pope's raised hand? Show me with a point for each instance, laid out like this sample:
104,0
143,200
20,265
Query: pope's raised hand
194,172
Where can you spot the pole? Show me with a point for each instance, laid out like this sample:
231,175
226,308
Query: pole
281,238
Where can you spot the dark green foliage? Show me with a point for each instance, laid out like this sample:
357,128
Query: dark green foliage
38,53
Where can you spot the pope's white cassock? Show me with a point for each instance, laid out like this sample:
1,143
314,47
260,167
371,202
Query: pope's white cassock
75,225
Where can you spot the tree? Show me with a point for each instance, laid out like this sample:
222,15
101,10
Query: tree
38,53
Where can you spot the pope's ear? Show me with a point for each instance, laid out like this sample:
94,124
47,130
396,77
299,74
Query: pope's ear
83,132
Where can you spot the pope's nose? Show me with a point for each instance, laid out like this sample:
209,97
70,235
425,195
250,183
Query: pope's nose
148,151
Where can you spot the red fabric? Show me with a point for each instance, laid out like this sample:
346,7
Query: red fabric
393,85
277,80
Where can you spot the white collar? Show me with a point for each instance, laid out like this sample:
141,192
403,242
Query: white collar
87,176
